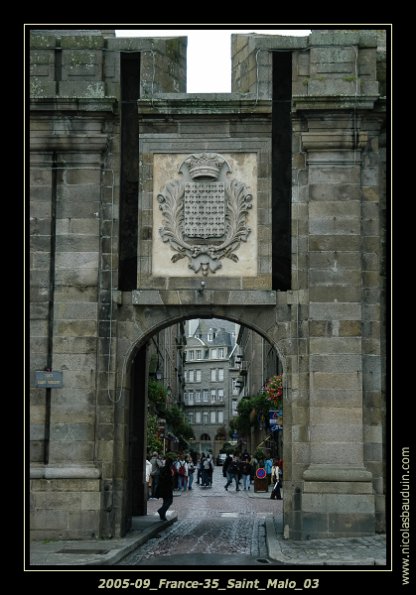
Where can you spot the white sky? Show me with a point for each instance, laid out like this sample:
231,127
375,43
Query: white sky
209,53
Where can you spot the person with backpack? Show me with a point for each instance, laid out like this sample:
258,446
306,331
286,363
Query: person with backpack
182,473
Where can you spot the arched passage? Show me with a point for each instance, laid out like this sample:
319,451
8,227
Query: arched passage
131,390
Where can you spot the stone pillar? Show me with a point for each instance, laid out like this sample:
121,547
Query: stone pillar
66,196
337,493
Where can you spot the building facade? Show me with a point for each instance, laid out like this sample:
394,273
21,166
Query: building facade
150,207
209,356
258,363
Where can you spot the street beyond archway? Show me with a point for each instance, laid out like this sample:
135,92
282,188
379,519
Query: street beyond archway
222,527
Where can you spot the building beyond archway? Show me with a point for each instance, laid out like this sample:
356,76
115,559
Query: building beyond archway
264,206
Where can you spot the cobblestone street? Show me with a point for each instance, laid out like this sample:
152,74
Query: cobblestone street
211,521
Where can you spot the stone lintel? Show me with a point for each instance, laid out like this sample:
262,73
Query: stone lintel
186,297
272,42
333,103
184,104
336,473
64,472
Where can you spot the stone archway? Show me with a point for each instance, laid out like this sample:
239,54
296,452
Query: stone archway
131,346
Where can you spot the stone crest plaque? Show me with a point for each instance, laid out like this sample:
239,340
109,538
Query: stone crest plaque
205,213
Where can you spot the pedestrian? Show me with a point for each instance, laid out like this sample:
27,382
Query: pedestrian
191,470
165,487
245,468
276,494
148,479
206,472
210,469
232,473
157,464
199,470
175,467
268,464
182,473
226,464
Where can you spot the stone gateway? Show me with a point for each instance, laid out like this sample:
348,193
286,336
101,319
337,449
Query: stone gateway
265,206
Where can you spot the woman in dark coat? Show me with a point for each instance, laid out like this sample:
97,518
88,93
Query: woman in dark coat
165,487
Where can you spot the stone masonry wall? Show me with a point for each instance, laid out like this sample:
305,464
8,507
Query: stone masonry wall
74,86
337,381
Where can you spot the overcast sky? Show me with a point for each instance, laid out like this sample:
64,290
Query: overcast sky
209,53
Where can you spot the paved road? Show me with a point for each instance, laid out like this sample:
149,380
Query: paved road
213,524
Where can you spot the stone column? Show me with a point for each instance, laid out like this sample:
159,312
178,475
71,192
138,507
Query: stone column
337,494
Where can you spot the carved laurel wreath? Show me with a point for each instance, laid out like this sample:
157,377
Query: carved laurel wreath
205,257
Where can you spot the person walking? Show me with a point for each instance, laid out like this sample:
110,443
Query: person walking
245,468
157,464
232,473
268,464
191,470
206,469
199,470
164,488
276,494
182,473
148,479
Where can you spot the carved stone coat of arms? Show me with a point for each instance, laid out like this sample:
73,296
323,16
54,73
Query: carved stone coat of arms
205,213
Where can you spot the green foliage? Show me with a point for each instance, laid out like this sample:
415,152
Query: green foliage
262,405
153,440
157,394
250,409
242,422
175,418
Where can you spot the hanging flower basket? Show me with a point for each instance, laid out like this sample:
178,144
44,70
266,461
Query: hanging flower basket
274,390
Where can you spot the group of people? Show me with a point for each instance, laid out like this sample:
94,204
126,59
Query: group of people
163,476
184,468
242,471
